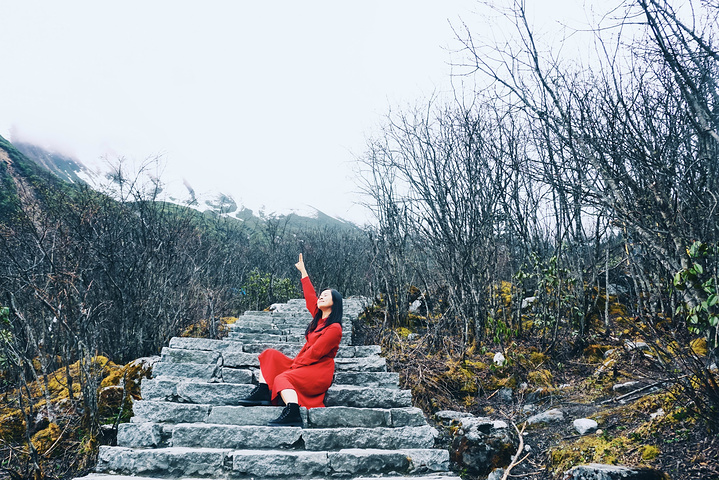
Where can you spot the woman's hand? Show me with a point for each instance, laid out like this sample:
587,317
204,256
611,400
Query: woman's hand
301,267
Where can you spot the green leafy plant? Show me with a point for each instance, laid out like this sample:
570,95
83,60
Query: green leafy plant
702,316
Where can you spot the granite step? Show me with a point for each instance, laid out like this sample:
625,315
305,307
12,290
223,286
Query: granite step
297,336
345,374
230,346
188,425
329,417
189,391
366,361
206,435
105,476
268,464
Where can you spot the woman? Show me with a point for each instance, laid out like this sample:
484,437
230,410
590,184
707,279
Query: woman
304,380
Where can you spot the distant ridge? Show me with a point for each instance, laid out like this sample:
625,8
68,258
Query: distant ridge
73,171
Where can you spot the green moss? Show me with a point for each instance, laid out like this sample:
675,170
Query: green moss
12,426
541,377
537,359
650,452
595,353
46,438
588,449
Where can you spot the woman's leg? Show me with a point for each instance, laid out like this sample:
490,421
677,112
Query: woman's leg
289,396
290,416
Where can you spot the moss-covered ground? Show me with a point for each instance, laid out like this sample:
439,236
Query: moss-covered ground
657,426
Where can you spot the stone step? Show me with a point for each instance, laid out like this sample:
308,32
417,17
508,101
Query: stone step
187,391
268,464
105,476
370,363
263,337
329,417
297,338
345,374
206,435
230,346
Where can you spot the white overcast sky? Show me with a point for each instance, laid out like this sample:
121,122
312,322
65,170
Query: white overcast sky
267,101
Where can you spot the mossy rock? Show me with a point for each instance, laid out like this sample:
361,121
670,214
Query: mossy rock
12,426
541,377
588,449
46,438
130,375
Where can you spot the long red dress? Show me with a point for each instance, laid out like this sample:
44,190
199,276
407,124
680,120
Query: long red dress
311,372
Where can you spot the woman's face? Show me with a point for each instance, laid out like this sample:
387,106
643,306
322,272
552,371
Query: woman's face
324,301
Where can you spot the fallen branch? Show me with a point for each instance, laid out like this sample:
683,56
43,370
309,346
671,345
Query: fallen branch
516,460
634,392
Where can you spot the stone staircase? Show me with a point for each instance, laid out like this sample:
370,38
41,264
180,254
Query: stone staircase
189,426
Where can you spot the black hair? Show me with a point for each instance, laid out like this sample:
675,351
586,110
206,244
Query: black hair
335,315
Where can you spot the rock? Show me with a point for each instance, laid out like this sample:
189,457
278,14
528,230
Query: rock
499,359
585,425
451,415
658,414
615,290
479,444
505,394
630,345
529,301
553,415
529,408
625,387
414,306
598,471
496,474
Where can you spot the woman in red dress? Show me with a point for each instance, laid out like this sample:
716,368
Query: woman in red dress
304,380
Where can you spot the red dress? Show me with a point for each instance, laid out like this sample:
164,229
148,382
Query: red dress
311,372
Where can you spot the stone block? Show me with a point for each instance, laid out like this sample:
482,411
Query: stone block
331,417
598,471
170,412
179,355
237,375
232,415
377,437
291,350
238,360
212,393
362,364
407,417
427,460
350,396
368,379
222,346
173,461
187,370
278,463
367,461
234,436
158,389
139,435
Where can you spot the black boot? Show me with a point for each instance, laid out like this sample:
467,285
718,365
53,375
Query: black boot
290,417
260,396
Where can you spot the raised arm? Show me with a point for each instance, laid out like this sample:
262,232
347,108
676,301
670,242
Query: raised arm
307,289
301,267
